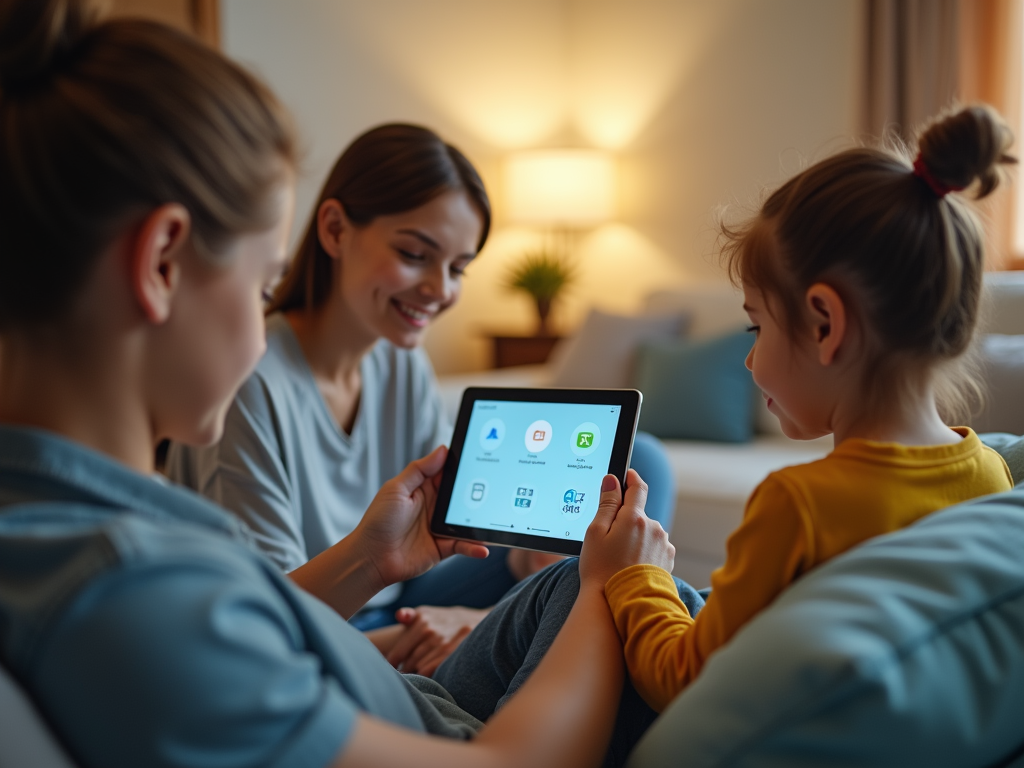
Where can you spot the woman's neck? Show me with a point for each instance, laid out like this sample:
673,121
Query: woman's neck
81,394
332,340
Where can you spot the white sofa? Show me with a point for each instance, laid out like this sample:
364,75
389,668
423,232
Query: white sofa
714,480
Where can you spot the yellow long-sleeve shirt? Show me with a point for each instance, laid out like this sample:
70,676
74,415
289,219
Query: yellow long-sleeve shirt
798,518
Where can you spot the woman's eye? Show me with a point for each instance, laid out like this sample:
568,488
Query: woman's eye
458,271
753,328
267,295
411,256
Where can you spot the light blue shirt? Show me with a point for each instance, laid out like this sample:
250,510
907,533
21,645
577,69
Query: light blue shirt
150,632
285,468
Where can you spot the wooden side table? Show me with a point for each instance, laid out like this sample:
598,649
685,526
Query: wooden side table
521,350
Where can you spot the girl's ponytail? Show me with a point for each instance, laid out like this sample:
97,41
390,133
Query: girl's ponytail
966,146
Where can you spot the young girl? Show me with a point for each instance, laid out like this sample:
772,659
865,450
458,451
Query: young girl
861,277
146,187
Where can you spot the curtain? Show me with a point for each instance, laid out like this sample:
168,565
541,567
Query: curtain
923,56
911,63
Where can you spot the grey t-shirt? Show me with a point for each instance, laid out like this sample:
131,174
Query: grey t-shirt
286,468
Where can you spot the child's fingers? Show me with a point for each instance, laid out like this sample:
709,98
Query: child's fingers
636,491
608,506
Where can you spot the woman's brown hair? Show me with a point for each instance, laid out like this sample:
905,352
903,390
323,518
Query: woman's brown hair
907,259
389,169
104,121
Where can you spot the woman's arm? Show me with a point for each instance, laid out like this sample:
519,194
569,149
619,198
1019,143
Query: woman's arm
392,542
563,716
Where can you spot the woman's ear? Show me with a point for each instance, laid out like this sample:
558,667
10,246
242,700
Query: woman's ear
828,321
156,251
331,224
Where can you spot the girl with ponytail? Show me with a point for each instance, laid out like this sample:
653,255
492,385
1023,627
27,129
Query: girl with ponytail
861,277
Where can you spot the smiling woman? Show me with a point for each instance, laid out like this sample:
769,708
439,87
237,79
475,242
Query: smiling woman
343,398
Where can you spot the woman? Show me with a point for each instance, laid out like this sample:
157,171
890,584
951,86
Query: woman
344,397
138,228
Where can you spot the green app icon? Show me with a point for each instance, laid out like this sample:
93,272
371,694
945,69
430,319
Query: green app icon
584,439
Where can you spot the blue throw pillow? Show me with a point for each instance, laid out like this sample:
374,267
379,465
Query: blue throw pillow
697,390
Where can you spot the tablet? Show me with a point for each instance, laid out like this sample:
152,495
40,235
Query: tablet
525,465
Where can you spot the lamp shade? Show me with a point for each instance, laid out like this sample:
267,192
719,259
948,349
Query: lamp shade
564,187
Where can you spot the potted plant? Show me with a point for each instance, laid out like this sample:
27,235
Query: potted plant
543,275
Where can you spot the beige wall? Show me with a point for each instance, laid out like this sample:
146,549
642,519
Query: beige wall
702,101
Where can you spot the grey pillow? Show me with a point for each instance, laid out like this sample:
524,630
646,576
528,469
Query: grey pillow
1002,363
602,353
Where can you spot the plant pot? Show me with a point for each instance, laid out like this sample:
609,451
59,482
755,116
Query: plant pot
543,310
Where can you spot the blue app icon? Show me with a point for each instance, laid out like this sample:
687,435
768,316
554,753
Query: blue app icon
492,434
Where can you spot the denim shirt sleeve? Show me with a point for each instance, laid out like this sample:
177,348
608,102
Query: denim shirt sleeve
164,666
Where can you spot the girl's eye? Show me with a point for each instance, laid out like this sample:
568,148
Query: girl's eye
458,271
753,328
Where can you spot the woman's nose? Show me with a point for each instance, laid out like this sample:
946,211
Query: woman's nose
438,285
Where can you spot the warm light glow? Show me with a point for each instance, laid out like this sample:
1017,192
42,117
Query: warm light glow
565,187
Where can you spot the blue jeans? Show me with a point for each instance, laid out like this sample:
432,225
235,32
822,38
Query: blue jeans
501,653
482,583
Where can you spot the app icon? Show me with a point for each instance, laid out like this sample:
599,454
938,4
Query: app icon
585,439
573,502
491,434
523,498
476,493
538,436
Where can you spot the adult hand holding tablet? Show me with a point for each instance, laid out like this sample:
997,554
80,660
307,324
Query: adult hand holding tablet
525,465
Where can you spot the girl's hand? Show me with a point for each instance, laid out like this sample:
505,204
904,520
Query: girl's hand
394,534
430,636
622,535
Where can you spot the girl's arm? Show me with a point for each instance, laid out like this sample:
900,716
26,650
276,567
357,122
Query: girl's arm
562,717
665,648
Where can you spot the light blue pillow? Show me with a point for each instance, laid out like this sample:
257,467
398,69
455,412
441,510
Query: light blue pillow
906,650
697,390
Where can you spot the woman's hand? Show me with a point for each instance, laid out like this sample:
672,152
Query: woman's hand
622,535
394,534
430,636
392,542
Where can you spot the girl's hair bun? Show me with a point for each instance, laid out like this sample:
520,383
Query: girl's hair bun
38,36
967,145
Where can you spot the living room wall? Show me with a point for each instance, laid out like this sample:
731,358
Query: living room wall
702,102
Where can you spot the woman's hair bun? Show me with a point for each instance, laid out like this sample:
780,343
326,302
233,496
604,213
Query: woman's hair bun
967,145
37,36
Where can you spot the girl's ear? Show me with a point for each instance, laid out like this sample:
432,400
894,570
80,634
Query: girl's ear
155,256
331,224
828,321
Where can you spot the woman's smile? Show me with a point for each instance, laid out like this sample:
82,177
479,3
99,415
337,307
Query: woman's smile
418,317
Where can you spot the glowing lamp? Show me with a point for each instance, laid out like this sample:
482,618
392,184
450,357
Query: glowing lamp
565,188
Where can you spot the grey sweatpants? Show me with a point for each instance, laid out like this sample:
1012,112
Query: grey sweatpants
501,653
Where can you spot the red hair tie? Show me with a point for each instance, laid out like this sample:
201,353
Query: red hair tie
940,188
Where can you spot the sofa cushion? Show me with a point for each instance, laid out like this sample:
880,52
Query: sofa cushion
697,390
602,352
1002,369
907,650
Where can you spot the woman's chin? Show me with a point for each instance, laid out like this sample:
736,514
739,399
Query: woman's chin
407,337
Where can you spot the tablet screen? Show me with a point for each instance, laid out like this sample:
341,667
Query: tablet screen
533,468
